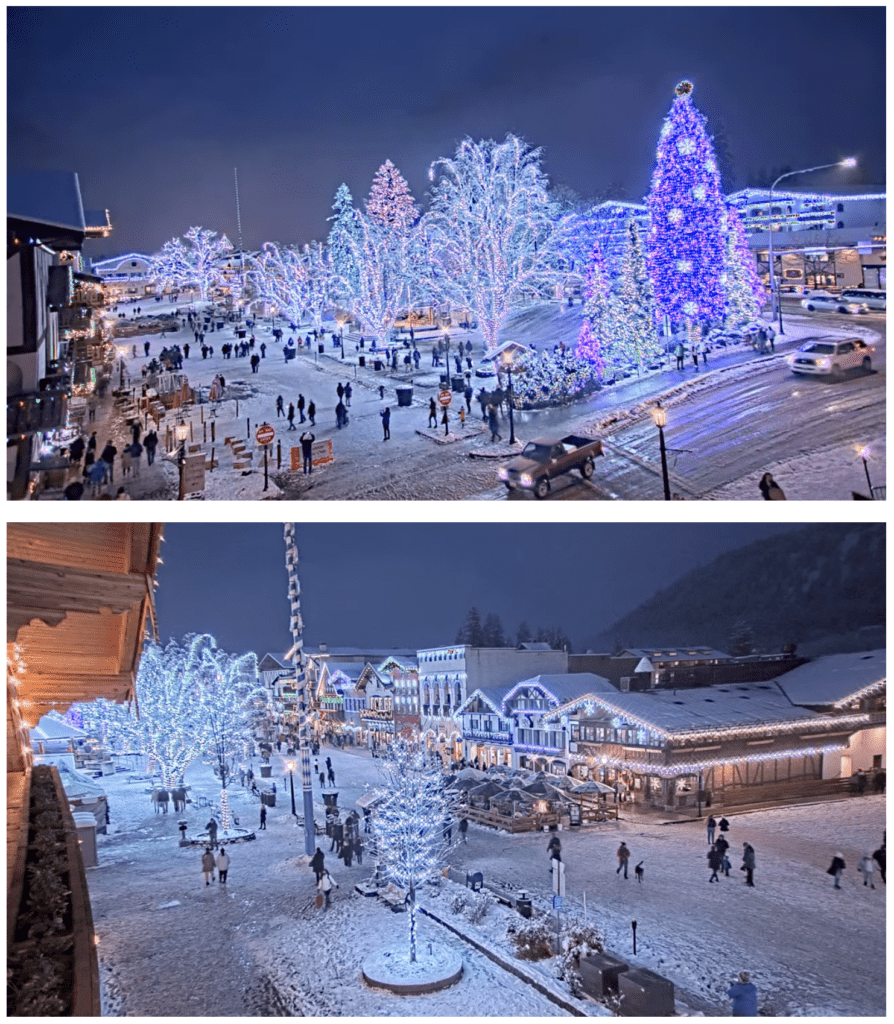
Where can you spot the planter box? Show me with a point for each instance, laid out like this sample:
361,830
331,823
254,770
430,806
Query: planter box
599,974
645,994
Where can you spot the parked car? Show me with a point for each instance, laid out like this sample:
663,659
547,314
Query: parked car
832,356
874,298
837,303
545,458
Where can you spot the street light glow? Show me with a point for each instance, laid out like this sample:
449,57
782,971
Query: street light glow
849,161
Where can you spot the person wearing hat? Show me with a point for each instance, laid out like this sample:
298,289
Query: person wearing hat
836,867
744,996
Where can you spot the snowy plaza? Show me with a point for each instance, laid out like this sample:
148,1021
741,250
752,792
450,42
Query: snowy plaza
170,946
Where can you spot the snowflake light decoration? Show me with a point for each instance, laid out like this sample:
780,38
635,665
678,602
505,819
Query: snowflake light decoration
698,192
686,147
684,266
675,215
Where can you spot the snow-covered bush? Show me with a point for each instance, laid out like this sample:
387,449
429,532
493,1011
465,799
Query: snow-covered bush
534,939
578,939
458,902
478,906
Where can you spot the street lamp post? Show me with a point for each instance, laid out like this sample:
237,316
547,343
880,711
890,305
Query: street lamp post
659,418
775,298
291,766
181,431
507,363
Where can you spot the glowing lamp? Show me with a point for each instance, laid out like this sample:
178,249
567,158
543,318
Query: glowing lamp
659,416
849,161
181,430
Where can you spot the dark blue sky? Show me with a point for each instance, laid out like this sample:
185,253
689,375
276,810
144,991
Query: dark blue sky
154,106
411,584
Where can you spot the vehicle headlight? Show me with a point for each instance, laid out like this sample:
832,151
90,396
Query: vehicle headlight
503,473
790,360
527,480
824,361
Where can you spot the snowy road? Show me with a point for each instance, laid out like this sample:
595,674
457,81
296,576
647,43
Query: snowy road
169,946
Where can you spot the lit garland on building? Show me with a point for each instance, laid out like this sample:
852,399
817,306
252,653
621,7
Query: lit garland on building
865,691
687,233
670,771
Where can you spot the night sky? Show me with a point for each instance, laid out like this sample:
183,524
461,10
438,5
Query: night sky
411,584
154,106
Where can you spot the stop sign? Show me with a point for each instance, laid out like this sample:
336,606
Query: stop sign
444,397
265,434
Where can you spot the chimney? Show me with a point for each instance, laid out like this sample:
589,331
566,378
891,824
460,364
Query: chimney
322,648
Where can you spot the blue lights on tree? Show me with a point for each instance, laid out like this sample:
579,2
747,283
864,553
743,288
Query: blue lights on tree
687,236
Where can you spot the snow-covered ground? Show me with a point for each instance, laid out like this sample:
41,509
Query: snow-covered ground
170,946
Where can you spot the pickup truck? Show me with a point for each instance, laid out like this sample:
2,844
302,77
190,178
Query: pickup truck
545,458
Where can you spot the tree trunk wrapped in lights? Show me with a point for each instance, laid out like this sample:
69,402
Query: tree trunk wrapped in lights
409,823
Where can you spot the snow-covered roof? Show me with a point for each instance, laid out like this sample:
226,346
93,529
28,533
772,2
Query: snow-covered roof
534,645
365,653
273,662
704,707
674,653
834,678
563,687
45,197
507,346
492,695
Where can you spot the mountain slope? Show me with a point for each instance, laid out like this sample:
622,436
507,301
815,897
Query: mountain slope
828,578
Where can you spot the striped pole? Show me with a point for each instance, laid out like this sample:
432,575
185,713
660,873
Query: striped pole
297,655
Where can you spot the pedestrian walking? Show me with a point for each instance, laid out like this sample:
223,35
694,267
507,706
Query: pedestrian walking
312,413
263,825
492,424
770,490
748,864
280,411
291,417
108,457
679,352
879,858
322,779
211,828
316,864
715,863
712,824
340,391
325,886
307,442
623,858
223,864
358,849
208,865
554,849
432,413
331,773
695,356
724,825
463,829
150,443
866,866
300,408
743,994
386,423
348,392
835,869
341,415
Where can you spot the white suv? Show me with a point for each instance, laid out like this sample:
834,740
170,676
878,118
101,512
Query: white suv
832,356
874,298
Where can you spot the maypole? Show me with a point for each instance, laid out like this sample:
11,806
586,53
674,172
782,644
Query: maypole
297,656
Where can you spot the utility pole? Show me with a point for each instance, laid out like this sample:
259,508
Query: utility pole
297,656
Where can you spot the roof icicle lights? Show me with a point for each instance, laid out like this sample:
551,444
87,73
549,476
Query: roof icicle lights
687,232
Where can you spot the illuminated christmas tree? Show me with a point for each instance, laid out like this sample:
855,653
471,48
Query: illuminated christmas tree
635,338
490,222
409,823
234,702
744,290
390,202
687,234
172,709
595,338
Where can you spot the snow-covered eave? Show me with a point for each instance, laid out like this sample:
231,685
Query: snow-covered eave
528,684
783,194
476,693
670,771
809,723
866,691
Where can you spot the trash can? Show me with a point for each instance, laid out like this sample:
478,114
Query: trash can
404,396
377,365
269,799
240,334
266,769
85,823
458,384
523,904
361,360
321,347
330,799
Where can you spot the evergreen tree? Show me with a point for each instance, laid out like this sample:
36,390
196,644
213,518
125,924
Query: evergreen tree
595,338
555,636
741,640
744,291
636,338
493,631
687,233
523,635
339,249
390,202
471,631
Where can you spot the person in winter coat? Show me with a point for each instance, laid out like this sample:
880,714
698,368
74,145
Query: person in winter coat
150,443
770,489
349,391
76,450
108,457
325,885
316,864
679,352
280,406
208,865
291,417
307,450
492,425
879,858
712,824
715,863
835,868
263,825
463,829
432,413
554,849
211,828
867,867
386,423
748,864
743,993
223,864
312,413
623,858
136,455
724,825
